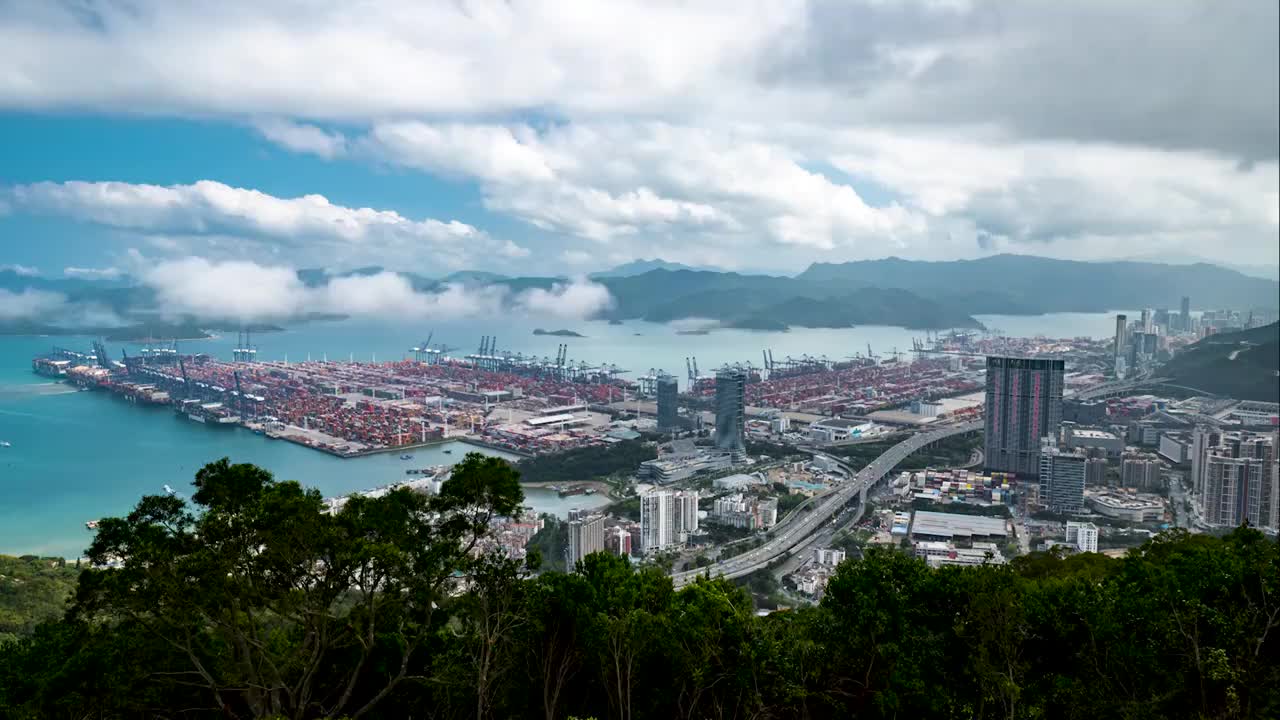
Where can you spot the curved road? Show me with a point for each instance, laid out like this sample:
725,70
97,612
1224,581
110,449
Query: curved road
795,532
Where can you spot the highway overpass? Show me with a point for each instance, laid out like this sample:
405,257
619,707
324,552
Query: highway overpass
794,533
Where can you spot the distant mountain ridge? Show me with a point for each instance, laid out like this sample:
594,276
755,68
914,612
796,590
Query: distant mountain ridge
642,266
1032,285
891,291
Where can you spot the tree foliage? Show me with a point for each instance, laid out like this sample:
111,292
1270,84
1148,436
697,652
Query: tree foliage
254,602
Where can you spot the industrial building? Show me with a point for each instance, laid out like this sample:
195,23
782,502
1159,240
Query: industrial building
1023,405
937,553
1127,506
838,430
951,527
1074,436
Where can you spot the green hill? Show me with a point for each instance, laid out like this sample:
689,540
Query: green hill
1244,365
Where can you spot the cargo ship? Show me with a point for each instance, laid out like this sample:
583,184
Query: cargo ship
208,413
51,367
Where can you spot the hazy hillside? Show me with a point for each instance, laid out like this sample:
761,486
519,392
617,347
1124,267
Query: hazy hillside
1252,374
1036,284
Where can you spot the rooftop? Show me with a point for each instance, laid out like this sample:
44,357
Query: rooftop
954,525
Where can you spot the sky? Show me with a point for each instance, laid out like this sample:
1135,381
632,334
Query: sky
167,139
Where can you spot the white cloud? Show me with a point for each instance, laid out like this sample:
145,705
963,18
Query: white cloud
246,291
210,218
109,273
30,304
577,299
741,134
302,138
23,270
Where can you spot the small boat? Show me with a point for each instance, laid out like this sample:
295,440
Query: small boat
5,443
448,452
406,457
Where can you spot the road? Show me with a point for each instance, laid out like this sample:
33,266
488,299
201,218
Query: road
798,530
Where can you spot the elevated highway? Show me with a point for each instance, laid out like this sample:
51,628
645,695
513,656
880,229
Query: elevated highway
794,533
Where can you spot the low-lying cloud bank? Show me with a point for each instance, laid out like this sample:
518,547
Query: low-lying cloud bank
246,291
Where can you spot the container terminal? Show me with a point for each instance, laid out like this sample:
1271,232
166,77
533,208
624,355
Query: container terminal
521,403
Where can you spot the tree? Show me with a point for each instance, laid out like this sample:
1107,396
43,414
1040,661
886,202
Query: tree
278,607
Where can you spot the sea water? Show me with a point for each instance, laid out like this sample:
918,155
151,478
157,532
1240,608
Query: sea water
78,456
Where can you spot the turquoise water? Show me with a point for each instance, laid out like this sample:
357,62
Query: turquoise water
80,456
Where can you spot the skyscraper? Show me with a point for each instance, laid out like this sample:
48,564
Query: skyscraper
1122,326
731,388
1146,320
1062,474
668,401
1024,404
586,536
1185,319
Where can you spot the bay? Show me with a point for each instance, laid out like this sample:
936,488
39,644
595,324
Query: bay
80,456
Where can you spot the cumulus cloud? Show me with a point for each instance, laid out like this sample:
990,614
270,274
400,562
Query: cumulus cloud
30,304
209,217
108,273
302,138
23,270
246,291
731,133
1204,76
577,299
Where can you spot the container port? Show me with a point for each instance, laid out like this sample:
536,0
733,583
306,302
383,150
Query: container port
526,404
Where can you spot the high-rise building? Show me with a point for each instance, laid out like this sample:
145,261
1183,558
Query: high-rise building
1023,404
1237,479
1140,471
668,401
586,536
667,518
1061,478
731,388
1083,535
1095,471
1161,318
685,510
656,520
1185,319
1145,323
1122,327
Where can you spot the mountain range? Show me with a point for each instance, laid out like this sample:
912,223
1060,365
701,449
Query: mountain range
890,291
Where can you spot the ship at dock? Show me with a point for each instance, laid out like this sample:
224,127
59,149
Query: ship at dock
214,414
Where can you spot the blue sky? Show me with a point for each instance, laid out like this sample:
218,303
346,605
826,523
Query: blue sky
539,137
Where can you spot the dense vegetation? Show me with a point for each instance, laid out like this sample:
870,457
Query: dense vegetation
948,452
1253,374
586,463
254,603
32,590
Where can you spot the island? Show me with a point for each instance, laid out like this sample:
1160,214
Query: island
693,332
558,333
